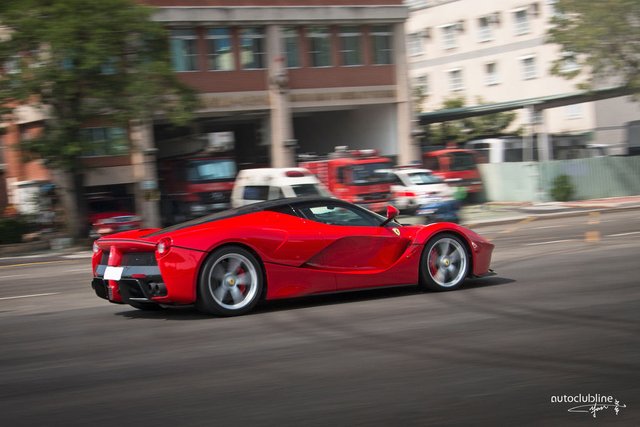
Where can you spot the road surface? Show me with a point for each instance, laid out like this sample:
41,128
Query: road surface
561,318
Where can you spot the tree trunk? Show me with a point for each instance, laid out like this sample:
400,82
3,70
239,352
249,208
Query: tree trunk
70,189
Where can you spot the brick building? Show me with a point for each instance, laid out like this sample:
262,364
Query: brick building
281,76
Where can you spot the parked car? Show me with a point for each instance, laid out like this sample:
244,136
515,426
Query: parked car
258,185
108,215
105,223
227,262
412,186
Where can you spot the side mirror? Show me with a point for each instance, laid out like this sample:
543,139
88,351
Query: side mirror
392,212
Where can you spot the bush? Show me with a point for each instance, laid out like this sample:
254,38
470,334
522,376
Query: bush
12,229
562,188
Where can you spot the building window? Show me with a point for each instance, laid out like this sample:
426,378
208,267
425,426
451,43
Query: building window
220,53
529,70
521,20
351,46
291,46
416,4
382,43
484,29
105,141
450,36
569,63
455,80
491,73
553,11
415,44
421,85
184,56
320,47
252,48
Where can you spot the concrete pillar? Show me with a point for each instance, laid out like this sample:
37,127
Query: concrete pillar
143,158
544,148
281,133
408,150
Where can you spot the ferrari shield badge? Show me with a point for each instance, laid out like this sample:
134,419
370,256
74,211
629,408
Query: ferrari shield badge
395,230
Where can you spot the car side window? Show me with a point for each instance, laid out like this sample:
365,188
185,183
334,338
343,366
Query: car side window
276,193
288,210
338,215
256,192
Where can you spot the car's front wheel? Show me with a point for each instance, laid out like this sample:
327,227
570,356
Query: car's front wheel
231,282
444,264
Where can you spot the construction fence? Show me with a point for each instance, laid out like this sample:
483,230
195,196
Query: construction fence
592,178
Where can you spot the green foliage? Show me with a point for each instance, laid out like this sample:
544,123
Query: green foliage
84,60
12,230
603,37
462,130
562,188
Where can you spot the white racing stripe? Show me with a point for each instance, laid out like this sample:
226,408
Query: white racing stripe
29,296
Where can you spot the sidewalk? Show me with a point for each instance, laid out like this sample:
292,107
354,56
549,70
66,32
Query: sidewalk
504,212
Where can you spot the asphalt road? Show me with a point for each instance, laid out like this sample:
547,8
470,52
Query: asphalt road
561,318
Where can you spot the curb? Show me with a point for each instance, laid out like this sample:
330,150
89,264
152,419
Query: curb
567,214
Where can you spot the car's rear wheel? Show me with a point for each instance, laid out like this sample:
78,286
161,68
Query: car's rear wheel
444,264
231,282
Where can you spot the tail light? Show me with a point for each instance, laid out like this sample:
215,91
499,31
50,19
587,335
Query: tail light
163,246
294,174
406,194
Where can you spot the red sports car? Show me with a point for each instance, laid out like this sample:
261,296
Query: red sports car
225,263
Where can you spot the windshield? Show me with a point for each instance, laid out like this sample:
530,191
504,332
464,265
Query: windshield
461,161
371,173
424,178
211,170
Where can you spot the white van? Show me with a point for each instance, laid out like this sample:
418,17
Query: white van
257,185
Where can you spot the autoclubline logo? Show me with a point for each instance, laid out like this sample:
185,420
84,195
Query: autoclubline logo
590,403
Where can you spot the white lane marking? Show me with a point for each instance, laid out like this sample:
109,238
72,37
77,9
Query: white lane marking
623,234
548,226
13,275
30,296
550,242
75,270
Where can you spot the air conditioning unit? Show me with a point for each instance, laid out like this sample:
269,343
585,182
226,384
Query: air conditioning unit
459,26
494,18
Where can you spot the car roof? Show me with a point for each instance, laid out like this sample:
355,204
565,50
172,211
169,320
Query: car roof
248,209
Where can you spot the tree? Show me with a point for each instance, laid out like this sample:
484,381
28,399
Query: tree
85,61
601,36
462,130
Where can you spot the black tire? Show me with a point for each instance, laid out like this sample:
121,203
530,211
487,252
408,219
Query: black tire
444,263
146,306
231,282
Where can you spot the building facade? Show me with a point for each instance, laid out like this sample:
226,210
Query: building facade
489,52
289,77
282,77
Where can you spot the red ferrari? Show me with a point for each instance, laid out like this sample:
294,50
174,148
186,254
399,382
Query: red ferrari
225,263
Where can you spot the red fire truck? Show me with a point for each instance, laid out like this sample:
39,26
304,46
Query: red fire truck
357,176
195,185
458,167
